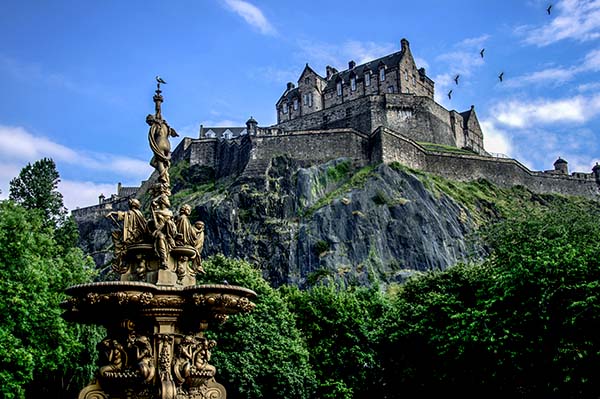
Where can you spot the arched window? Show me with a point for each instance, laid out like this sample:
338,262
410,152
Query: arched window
353,83
339,88
367,79
382,74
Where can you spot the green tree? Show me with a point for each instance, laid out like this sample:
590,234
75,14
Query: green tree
523,323
342,327
260,354
41,355
36,189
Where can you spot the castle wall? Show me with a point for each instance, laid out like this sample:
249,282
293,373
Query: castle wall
504,172
227,157
419,118
309,147
355,114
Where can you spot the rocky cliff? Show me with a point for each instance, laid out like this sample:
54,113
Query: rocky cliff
300,225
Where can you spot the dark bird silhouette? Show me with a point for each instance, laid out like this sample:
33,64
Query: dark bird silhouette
501,76
548,9
160,80
456,79
450,95
481,52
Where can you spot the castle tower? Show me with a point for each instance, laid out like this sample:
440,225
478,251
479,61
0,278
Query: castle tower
251,126
596,172
561,166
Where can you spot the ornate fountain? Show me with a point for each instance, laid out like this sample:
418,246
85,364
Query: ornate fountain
156,315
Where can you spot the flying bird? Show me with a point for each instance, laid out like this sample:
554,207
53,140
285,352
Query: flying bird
160,80
481,52
501,76
456,79
548,9
450,95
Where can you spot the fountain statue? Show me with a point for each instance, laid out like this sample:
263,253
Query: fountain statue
156,315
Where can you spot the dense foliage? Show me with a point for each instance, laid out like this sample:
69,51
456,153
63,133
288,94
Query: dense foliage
261,354
522,324
41,355
36,189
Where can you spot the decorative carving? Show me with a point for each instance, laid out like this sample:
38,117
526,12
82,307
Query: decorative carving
224,300
164,229
133,231
115,357
168,388
158,137
92,391
192,236
143,355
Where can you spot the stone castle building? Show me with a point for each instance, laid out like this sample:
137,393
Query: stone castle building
380,111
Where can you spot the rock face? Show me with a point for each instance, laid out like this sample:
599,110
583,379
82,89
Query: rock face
299,225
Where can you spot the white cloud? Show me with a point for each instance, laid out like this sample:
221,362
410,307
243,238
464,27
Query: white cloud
78,194
570,19
558,75
495,139
252,15
21,147
595,86
523,114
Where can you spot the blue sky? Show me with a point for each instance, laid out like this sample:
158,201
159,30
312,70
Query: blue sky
78,76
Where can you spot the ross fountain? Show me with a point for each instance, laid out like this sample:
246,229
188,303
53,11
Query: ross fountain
156,315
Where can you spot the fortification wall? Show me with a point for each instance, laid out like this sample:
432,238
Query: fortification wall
500,171
355,114
97,212
314,146
419,118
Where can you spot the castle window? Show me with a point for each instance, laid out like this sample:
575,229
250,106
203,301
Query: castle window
339,88
307,80
310,99
414,80
406,75
285,108
305,99
367,79
382,74
353,83
295,104
390,89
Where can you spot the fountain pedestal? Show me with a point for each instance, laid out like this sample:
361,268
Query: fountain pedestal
155,345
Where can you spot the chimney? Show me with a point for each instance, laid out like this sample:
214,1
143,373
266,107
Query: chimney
351,65
404,45
329,72
290,86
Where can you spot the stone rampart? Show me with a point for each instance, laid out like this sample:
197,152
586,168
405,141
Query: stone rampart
505,172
